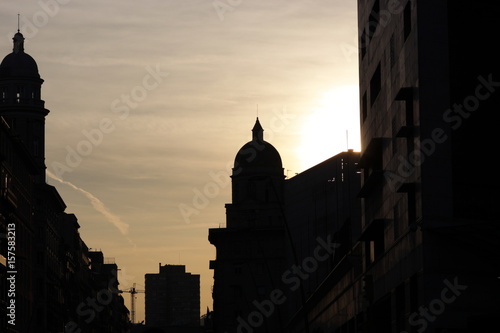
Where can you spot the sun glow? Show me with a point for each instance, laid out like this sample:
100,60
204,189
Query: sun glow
331,127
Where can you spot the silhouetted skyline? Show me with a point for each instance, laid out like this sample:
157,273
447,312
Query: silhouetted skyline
150,103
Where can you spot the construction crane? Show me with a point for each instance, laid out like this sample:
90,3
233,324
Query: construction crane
132,292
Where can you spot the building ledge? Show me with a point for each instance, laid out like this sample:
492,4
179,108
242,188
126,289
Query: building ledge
373,180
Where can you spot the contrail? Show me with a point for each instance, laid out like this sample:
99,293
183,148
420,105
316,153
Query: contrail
97,204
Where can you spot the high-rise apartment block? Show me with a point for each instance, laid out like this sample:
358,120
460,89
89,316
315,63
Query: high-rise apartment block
172,298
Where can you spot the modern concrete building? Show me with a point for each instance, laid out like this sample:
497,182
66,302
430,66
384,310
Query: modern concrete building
427,256
172,298
250,255
428,79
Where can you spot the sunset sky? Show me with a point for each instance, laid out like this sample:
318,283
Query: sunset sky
150,101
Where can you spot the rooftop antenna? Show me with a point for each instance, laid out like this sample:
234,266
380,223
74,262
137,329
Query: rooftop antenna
257,110
18,15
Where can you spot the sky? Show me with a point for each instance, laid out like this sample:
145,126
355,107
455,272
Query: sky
150,101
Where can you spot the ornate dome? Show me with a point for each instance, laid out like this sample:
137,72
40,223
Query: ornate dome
18,63
257,154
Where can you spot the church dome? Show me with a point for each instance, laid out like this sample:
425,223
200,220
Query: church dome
18,63
257,154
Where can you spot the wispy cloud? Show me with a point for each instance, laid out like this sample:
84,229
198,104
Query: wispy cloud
97,204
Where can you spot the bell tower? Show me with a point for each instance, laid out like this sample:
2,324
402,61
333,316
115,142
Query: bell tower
20,100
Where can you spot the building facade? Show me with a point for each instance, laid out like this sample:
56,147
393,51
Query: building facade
426,258
17,201
41,249
428,81
172,298
323,213
250,254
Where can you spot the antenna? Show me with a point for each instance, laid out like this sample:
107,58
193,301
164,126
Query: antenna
18,15
347,138
257,110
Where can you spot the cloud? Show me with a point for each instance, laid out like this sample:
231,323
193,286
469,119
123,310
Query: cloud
97,204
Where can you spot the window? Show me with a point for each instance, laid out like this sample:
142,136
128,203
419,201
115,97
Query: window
36,147
400,307
364,106
397,221
407,20
375,85
19,94
373,20
414,302
3,93
395,129
363,43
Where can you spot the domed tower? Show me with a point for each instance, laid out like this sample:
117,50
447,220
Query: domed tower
20,101
258,173
250,258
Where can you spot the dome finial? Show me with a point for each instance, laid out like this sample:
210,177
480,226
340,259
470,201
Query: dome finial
18,42
257,131
18,39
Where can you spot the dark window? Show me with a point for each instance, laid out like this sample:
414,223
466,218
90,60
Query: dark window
3,93
414,303
392,51
364,106
363,43
373,20
394,131
375,85
36,147
397,221
400,307
407,20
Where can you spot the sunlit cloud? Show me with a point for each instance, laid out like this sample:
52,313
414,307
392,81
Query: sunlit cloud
97,204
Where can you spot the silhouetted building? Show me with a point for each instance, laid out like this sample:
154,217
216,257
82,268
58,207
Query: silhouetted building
323,214
172,298
17,202
427,256
428,80
250,255
424,256
46,257
111,315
